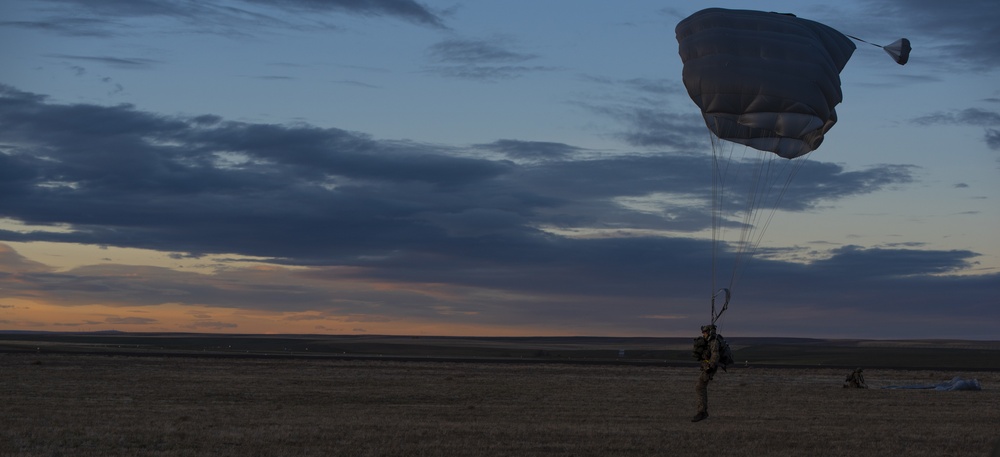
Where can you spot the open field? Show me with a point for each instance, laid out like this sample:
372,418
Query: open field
760,352
61,404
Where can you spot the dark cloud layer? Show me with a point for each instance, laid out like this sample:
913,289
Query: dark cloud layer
990,120
532,150
357,209
100,18
403,9
183,184
119,62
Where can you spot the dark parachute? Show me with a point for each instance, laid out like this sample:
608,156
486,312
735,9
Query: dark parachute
766,80
770,82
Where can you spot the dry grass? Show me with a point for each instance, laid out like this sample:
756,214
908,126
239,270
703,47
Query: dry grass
76,405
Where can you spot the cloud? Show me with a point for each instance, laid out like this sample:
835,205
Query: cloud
482,60
211,325
72,27
130,320
869,287
118,62
72,324
306,317
106,18
403,9
202,185
486,73
643,85
383,230
654,127
475,51
645,114
532,150
643,278
870,263
969,116
993,138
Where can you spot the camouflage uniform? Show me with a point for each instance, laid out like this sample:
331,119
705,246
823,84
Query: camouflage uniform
856,380
710,351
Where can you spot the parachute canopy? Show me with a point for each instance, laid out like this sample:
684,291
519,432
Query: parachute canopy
766,80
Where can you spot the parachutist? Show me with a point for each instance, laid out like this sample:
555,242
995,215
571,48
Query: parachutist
707,349
855,380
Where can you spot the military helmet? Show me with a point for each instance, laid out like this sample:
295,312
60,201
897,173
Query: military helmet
707,329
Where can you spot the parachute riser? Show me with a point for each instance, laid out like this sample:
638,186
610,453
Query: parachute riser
725,305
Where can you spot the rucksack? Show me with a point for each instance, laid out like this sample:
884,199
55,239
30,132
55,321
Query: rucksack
701,350
725,353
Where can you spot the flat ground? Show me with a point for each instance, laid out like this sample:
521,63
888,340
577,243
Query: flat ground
98,405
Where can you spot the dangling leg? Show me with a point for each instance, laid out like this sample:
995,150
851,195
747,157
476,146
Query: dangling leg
701,388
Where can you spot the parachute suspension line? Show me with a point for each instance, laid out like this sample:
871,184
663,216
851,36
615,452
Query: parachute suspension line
863,41
760,210
795,166
761,179
755,187
758,181
758,192
717,186
721,160
715,206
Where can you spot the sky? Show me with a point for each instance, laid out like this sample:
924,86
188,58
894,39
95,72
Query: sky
476,168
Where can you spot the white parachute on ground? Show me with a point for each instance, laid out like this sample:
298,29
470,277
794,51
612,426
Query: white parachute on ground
956,383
